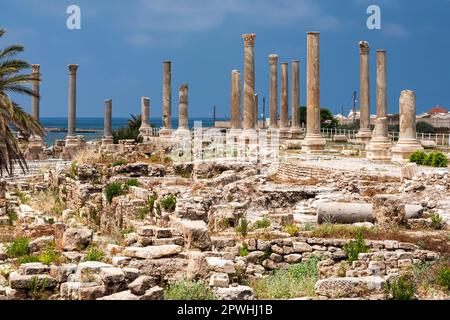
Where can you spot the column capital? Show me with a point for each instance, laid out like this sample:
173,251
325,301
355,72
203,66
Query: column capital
72,68
273,58
108,101
35,68
167,61
364,47
249,39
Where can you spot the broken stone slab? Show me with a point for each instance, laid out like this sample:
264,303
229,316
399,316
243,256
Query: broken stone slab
350,287
131,274
220,265
77,239
88,271
219,280
409,171
234,293
195,233
388,210
301,247
123,295
23,282
152,252
155,293
81,291
33,268
348,213
113,279
140,285
40,243
62,273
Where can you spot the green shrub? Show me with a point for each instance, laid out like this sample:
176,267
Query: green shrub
94,254
188,290
437,222
27,259
158,209
49,255
72,171
354,248
37,290
242,227
18,248
243,250
443,277
23,197
418,157
12,216
119,162
304,269
132,183
292,229
169,203
131,131
264,223
224,223
113,190
401,289
439,160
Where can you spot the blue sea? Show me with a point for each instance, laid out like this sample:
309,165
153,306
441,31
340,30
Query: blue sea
97,124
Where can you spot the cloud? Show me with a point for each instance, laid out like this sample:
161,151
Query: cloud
395,30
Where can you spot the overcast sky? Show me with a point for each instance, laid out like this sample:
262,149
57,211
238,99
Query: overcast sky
121,46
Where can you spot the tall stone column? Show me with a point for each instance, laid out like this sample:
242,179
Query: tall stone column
380,145
284,101
145,112
256,111
166,130
107,123
407,143
296,131
249,81
72,115
183,107
236,95
365,134
273,62
313,140
36,88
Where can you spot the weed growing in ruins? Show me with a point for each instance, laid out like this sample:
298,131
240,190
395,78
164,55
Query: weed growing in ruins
18,248
354,248
23,197
49,201
188,290
158,209
72,171
263,223
434,159
49,255
443,277
119,162
113,190
131,183
297,281
27,259
224,223
37,290
242,227
230,197
401,288
168,203
94,254
292,229
437,222
12,216
49,220
243,250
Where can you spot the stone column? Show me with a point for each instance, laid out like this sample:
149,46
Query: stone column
71,130
35,87
145,112
407,143
313,140
365,134
249,81
183,107
256,111
107,127
236,92
273,62
167,101
296,131
284,101
380,145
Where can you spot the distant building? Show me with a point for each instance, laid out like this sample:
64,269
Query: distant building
438,117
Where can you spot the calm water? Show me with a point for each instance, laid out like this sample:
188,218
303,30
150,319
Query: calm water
97,123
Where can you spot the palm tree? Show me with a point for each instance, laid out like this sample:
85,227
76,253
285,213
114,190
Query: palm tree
13,80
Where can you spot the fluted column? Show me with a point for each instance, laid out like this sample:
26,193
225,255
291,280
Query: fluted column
295,100
249,81
107,123
380,145
313,140
407,142
183,107
273,62
236,92
256,110
167,100
36,88
72,102
284,101
365,133
145,112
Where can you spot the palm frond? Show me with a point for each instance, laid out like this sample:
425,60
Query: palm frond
10,51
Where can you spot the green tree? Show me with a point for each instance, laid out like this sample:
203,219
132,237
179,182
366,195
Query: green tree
14,80
424,127
131,131
326,118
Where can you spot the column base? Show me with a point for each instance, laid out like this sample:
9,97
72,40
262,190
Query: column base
313,143
404,148
165,133
107,141
296,133
364,136
284,133
72,146
379,148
